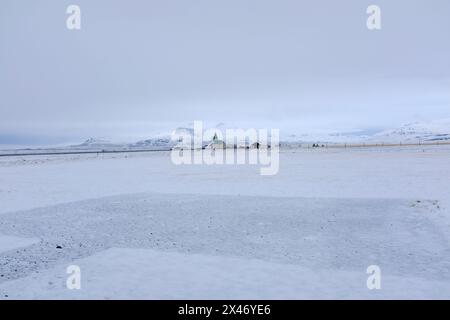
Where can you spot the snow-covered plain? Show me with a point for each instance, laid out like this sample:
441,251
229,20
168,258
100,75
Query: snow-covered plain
141,227
9,243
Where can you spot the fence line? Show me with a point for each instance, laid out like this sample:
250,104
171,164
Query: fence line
291,146
372,145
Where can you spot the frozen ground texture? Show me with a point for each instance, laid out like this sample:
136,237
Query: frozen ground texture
9,243
141,227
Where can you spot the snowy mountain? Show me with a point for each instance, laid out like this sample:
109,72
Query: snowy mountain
417,132
153,142
94,142
432,131
438,130
183,131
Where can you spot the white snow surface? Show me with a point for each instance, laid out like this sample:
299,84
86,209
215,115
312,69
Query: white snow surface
141,227
10,243
151,274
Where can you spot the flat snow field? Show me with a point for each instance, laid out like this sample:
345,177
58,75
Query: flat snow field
140,227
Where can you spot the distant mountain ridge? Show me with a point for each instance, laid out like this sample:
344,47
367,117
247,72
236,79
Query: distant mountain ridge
416,132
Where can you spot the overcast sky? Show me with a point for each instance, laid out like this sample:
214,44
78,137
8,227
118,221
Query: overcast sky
138,67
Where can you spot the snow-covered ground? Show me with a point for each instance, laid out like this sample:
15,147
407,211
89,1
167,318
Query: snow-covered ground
140,227
9,243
